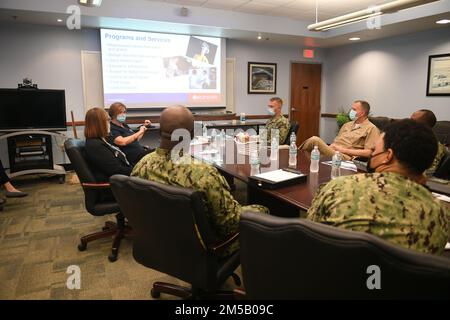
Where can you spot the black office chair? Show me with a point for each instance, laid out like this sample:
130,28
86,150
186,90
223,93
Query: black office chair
172,235
98,199
443,170
285,258
293,128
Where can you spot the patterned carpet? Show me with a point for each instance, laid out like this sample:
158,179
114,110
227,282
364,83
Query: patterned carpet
39,235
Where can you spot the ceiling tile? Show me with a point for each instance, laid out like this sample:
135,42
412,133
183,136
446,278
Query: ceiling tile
255,8
194,3
297,9
224,5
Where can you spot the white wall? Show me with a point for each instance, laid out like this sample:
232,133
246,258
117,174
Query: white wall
50,56
390,73
245,52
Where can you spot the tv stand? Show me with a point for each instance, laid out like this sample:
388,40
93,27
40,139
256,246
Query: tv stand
30,152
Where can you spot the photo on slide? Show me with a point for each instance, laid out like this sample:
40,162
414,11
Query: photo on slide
176,66
203,78
202,51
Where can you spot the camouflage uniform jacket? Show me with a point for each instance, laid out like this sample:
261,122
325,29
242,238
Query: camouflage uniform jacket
281,123
387,205
439,155
222,209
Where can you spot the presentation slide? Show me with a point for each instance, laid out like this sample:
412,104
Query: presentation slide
145,70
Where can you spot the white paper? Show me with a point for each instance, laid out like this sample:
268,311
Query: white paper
441,197
208,151
347,165
199,141
277,175
447,246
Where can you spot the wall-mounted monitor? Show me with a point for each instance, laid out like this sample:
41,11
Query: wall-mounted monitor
24,109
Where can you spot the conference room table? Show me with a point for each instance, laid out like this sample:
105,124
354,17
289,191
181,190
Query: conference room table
289,201
236,124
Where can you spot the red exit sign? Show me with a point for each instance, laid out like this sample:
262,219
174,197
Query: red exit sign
308,53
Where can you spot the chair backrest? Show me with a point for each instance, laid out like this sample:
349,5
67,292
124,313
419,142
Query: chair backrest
443,170
293,128
170,228
285,258
75,150
442,131
380,122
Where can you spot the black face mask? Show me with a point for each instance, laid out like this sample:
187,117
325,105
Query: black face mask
369,168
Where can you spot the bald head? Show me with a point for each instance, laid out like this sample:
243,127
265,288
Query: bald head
172,118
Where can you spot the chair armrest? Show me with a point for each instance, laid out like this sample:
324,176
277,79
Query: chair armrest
219,247
103,185
362,159
239,294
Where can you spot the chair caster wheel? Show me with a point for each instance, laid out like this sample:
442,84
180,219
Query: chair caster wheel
112,258
155,294
62,179
82,246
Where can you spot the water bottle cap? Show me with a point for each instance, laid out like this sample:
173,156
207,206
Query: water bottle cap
316,147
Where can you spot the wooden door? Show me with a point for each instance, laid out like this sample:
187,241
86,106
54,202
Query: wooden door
305,98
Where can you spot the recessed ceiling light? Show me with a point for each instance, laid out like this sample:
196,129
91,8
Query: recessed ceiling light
59,20
354,39
443,21
259,37
90,3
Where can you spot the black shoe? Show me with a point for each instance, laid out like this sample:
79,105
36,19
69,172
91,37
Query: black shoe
18,194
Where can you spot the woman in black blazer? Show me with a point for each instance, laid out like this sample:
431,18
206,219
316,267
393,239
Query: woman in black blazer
105,159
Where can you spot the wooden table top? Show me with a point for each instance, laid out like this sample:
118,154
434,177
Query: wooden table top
299,195
235,123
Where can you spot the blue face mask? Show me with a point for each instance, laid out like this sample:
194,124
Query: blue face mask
122,118
270,111
352,115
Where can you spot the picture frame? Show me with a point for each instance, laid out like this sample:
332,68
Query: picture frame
262,78
438,78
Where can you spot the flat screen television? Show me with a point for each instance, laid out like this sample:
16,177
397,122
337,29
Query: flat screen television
25,109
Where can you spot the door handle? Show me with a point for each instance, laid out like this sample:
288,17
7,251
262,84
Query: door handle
295,109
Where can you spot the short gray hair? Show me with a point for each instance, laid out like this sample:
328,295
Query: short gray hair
365,105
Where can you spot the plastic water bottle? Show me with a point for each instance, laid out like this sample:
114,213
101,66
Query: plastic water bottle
242,118
336,165
293,138
274,149
293,155
254,163
222,138
205,131
315,157
214,138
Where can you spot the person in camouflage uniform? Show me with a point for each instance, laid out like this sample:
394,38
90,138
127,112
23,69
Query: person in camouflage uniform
222,209
277,122
428,118
391,203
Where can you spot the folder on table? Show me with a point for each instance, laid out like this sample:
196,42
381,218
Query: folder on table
277,178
